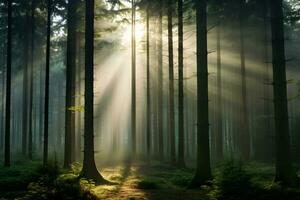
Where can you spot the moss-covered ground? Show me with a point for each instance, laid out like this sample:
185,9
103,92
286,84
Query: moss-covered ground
232,181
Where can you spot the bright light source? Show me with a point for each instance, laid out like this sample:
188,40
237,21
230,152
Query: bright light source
139,34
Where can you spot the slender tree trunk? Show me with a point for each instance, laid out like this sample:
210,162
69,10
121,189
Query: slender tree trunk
133,85
8,86
30,133
203,170
41,110
25,89
219,134
181,162
244,125
266,87
148,86
284,169
89,169
70,86
3,99
171,84
47,71
114,142
160,86
154,95
78,74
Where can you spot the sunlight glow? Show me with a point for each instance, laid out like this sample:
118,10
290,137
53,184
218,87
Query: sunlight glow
139,33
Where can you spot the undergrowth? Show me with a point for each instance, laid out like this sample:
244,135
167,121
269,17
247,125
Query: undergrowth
236,181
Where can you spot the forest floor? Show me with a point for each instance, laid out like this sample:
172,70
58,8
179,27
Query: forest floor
144,182
28,181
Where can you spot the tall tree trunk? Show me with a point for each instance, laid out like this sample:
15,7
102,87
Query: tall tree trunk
3,98
171,84
78,74
154,94
70,86
148,86
181,162
219,133
89,169
30,133
41,109
133,84
25,88
160,85
244,125
8,86
284,169
266,87
203,170
47,71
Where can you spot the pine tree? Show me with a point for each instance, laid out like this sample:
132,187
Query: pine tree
46,108
181,162
8,85
171,84
284,169
203,170
70,86
89,169
133,82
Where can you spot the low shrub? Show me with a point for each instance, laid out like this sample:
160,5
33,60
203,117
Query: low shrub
232,182
147,184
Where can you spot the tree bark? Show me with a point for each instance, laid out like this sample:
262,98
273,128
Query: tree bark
133,84
269,131
89,169
219,133
79,78
181,162
41,109
70,86
8,86
160,85
47,71
3,97
171,84
30,108
284,169
203,170
244,125
148,85
25,88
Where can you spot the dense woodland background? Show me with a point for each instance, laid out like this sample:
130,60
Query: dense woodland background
198,93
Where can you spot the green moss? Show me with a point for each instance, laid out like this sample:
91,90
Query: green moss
18,177
181,180
147,184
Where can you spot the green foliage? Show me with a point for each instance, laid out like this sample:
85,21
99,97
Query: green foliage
181,178
41,183
147,184
232,182
235,181
17,177
50,172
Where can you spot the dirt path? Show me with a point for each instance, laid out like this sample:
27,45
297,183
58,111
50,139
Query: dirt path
127,186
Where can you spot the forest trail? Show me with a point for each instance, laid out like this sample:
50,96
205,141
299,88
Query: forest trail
146,183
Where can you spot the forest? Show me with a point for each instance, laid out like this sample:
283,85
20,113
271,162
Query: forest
150,99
